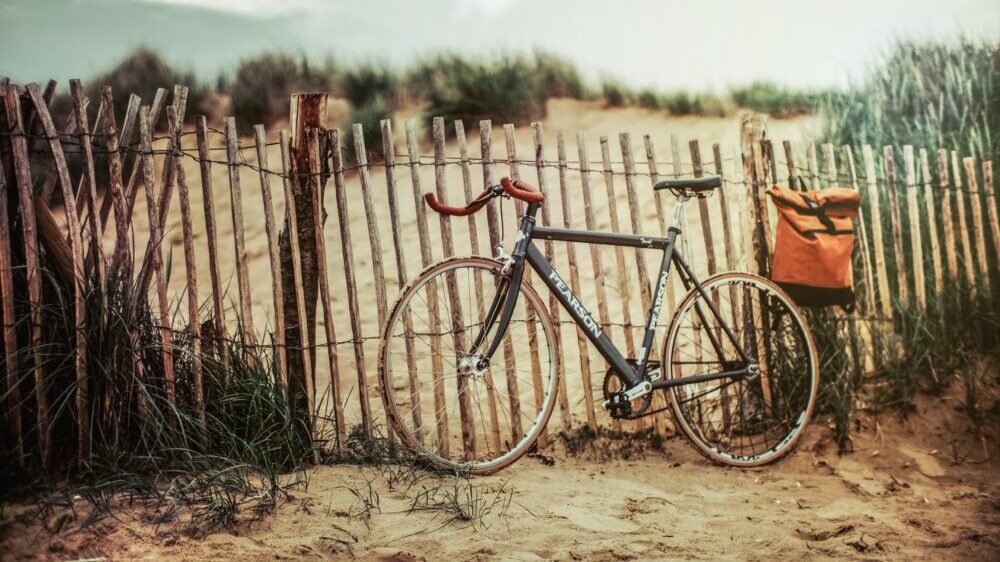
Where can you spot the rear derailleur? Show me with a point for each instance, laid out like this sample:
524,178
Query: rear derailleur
621,401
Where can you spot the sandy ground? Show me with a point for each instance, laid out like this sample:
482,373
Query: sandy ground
914,490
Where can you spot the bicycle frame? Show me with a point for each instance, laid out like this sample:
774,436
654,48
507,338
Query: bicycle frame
526,252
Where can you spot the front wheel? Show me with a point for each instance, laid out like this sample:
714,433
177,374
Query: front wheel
444,401
747,420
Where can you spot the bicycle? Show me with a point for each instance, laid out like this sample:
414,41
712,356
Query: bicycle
738,363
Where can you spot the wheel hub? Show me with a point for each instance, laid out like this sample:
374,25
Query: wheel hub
473,366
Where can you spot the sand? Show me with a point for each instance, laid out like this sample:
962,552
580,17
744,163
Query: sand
913,490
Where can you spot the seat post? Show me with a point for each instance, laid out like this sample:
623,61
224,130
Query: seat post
682,198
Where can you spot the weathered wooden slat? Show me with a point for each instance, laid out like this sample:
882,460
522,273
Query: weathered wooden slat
751,133
455,311
635,215
173,142
793,173
349,276
167,185
389,155
212,238
13,391
916,238
991,205
932,228
512,163
727,231
22,176
156,245
437,367
866,256
543,186
325,300
975,202
191,274
624,283
463,152
292,220
79,277
706,219
154,116
947,217
50,177
597,266
89,189
963,225
371,219
878,242
530,318
239,237
813,166
574,283
896,227
486,151
264,172
493,223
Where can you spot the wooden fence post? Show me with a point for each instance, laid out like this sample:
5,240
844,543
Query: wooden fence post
79,276
866,256
991,205
554,305
155,245
233,158
466,414
878,242
947,218
22,175
752,130
963,225
9,322
212,239
896,224
191,271
89,189
975,200
463,151
916,241
307,374
323,273
486,151
349,276
925,173
574,283
427,258
624,284
306,111
595,251
264,173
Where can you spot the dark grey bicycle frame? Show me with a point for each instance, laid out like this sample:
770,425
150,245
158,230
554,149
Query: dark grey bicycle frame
526,252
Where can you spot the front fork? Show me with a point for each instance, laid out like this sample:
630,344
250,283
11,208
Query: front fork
512,273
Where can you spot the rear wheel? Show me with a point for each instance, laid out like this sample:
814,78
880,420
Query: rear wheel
445,403
751,420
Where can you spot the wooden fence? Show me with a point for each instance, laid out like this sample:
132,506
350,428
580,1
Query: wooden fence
929,220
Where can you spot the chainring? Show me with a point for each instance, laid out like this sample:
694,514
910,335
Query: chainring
614,384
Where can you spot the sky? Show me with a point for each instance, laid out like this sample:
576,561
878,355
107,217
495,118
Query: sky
667,44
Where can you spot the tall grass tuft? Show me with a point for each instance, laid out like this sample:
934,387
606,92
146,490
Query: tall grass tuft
240,462
925,94
505,89
776,101
261,86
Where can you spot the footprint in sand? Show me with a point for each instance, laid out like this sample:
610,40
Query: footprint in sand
584,514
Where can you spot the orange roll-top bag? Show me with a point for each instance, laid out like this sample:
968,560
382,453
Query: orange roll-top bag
813,245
